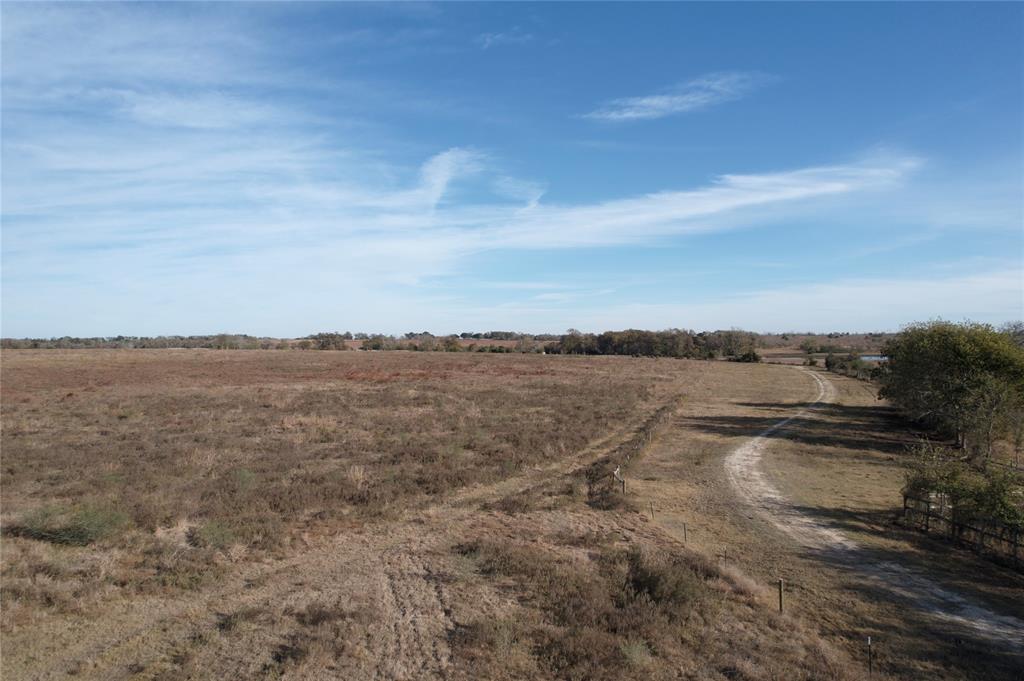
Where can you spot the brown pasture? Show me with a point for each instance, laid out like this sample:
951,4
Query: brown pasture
249,514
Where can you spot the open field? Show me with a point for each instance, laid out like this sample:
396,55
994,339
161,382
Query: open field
247,514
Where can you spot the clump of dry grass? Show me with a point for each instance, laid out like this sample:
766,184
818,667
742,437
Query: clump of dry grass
324,635
512,504
499,648
78,526
227,622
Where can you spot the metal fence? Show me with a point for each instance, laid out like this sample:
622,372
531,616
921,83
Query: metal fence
992,539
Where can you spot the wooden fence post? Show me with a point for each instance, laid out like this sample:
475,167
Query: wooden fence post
780,593
1016,545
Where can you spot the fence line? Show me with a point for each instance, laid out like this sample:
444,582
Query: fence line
992,539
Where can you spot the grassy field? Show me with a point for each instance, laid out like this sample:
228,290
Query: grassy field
247,514
238,451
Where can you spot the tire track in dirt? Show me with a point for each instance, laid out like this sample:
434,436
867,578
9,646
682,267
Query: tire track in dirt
744,470
413,602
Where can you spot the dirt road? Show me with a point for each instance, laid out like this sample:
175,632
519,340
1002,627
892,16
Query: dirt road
744,467
797,474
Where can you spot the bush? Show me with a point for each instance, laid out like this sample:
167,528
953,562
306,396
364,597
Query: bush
974,495
212,534
637,653
850,365
329,341
581,654
965,380
79,527
667,582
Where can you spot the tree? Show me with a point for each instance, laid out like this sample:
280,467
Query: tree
1015,330
375,342
965,379
330,341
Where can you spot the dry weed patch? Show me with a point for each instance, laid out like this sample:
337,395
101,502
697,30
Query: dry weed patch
641,610
600,619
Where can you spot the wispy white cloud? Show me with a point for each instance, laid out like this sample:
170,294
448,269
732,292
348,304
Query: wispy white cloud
699,93
439,171
186,177
700,210
556,296
882,303
513,36
260,199
523,285
202,196
204,110
48,44
519,189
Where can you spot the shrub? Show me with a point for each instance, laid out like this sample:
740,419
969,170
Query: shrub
81,526
581,654
974,495
212,534
667,582
748,356
636,653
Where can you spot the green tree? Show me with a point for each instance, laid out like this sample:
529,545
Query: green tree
965,379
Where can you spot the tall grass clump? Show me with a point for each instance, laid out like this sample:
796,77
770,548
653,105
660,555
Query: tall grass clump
77,527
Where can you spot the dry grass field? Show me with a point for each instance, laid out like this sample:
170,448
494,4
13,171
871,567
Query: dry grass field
354,515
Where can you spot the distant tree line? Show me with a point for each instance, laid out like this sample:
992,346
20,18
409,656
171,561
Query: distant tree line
220,341
324,340
835,341
415,341
508,336
670,343
731,344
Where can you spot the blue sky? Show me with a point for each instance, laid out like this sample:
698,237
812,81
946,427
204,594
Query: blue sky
281,169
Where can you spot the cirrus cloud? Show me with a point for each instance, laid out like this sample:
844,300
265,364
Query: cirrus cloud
699,93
